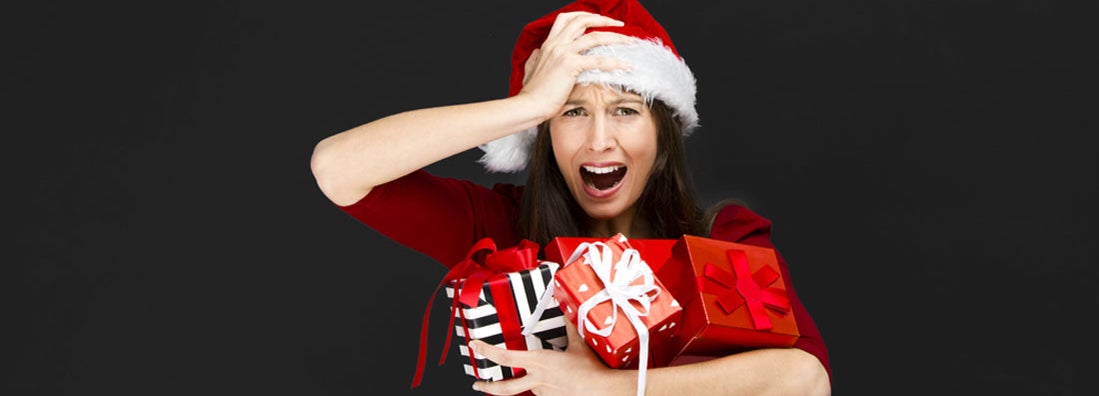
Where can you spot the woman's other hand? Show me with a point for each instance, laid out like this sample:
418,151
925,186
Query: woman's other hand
576,371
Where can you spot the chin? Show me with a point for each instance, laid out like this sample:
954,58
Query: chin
602,211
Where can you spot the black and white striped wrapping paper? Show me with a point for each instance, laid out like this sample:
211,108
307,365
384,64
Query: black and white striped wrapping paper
528,287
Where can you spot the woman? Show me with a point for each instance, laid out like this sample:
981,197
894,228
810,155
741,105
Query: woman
602,101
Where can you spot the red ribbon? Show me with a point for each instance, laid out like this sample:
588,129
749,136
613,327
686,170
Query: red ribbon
510,322
743,288
481,262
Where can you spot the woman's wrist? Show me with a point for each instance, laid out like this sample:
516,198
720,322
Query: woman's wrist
537,110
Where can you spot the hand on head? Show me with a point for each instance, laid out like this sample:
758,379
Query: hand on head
550,72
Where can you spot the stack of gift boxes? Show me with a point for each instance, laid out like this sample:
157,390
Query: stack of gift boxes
637,303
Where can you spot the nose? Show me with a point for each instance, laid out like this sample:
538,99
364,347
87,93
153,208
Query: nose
601,136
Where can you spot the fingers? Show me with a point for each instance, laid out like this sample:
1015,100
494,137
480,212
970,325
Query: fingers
568,32
502,357
596,39
499,356
568,26
567,39
505,387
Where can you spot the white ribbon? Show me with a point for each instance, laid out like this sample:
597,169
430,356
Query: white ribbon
543,302
622,293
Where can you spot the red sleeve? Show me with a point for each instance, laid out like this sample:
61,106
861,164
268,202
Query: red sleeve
440,217
738,224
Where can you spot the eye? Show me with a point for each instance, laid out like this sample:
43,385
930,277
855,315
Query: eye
625,111
574,112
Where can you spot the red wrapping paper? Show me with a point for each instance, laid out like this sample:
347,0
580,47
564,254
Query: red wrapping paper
733,296
655,251
482,265
576,282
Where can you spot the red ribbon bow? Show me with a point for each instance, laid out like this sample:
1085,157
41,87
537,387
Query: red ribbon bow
481,262
741,287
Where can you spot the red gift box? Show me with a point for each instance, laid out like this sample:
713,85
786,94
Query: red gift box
655,251
618,306
734,297
492,295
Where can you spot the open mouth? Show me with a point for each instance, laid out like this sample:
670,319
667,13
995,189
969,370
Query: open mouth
603,177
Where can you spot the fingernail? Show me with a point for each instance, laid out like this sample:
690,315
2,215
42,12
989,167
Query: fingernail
477,386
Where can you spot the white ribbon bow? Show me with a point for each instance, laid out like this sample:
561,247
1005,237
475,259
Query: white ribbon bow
622,293
619,290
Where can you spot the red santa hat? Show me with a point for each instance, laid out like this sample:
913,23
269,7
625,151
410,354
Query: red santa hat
657,72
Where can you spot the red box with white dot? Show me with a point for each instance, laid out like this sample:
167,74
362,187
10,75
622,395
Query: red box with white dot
612,282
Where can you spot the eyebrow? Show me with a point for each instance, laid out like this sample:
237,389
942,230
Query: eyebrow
613,102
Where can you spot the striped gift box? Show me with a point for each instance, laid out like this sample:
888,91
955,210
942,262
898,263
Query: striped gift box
482,322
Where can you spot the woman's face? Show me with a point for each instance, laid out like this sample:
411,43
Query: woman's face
604,142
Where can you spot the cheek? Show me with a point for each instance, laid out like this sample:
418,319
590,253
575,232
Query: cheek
563,149
644,150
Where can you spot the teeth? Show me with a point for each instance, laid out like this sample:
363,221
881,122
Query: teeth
601,170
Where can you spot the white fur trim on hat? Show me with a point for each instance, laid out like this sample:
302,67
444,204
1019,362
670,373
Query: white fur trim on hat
656,72
510,153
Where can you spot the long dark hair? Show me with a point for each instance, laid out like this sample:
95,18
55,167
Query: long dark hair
667,204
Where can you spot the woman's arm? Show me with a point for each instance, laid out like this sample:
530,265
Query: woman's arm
578,371
349,164
773,371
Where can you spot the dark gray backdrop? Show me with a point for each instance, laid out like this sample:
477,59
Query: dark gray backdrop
924,164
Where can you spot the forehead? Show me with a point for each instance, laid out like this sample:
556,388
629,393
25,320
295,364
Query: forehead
588,92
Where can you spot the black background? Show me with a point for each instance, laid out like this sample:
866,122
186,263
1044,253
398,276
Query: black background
926,164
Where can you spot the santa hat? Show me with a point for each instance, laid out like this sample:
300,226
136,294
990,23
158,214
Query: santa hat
657,72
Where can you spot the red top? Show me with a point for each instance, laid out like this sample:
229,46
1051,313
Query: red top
443,217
